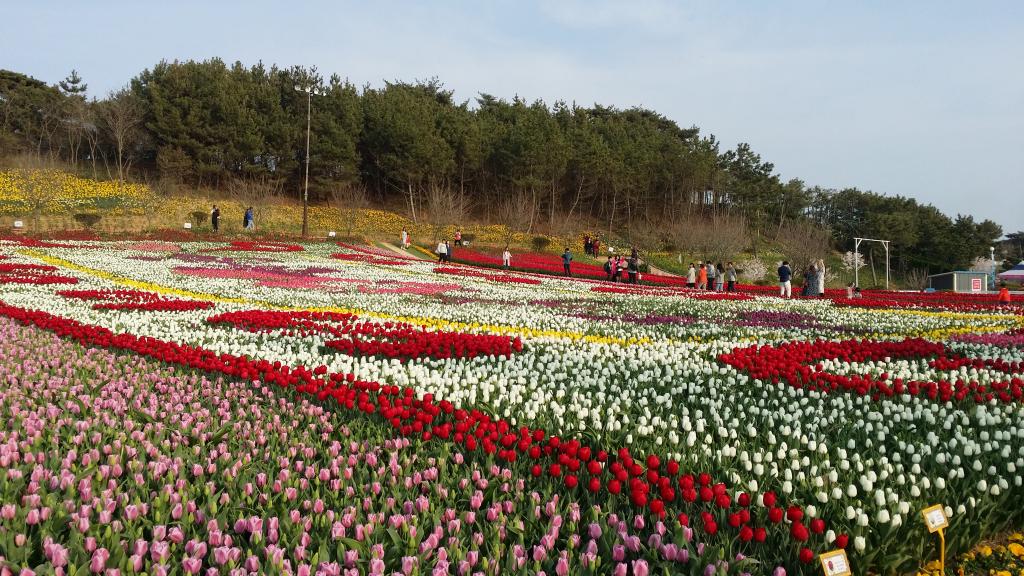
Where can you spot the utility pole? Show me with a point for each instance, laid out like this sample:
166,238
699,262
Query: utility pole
310,91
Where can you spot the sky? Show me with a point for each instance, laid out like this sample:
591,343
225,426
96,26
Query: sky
914,98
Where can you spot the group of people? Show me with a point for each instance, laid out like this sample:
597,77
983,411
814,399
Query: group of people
814,280
591,246
615,266
708,276
444,249
248,221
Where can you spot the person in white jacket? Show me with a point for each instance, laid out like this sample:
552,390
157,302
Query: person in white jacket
506,258
442,250
821,277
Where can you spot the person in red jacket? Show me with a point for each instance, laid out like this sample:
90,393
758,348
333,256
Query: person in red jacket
1004,295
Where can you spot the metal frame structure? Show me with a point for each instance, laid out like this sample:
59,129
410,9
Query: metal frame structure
856,250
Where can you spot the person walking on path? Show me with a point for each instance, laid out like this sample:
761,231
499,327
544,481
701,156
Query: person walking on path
711,275
405,239
633,268
506,259
442,251
458,237
608,268
691,277
821,277
215,218
730,276
588,246
567,261
702,277
249,220
596,247
719,278
785,280
447,251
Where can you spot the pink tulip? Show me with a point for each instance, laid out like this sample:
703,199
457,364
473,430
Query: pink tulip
191,565
98,562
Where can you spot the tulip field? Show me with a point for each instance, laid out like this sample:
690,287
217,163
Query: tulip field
258,407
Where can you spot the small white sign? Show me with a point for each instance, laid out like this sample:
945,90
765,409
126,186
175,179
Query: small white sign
188,225
19,224
835,563
935,518
331,234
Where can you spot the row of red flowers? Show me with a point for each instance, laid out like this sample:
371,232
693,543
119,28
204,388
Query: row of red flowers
799,364
947,304
108,299
258,246
14,273
551,264
467,272
369,259
652,483
388,339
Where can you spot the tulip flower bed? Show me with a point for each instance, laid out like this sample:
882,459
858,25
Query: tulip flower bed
260,246
134,300
551,264
470,273
654,430
32,274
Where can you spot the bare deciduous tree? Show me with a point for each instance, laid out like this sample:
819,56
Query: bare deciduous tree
515,214
349,199
121,117
803,243
445,207
917,278
717,237
256,192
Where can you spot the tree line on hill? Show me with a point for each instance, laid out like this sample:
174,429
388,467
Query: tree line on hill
527,164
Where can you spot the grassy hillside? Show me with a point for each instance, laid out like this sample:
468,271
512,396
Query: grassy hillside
52,202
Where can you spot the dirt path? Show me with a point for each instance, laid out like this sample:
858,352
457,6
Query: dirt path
655,270
397,250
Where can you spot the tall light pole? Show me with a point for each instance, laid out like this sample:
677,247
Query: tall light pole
992,256
310,91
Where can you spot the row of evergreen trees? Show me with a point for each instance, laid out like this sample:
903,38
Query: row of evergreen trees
210,124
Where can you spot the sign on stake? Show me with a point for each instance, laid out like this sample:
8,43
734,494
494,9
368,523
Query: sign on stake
935,520
835,563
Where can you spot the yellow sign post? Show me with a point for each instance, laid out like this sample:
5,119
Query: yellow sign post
835,563
936,520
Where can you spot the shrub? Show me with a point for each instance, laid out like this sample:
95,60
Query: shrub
199,217
468,238
88,220
752,270
540,243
